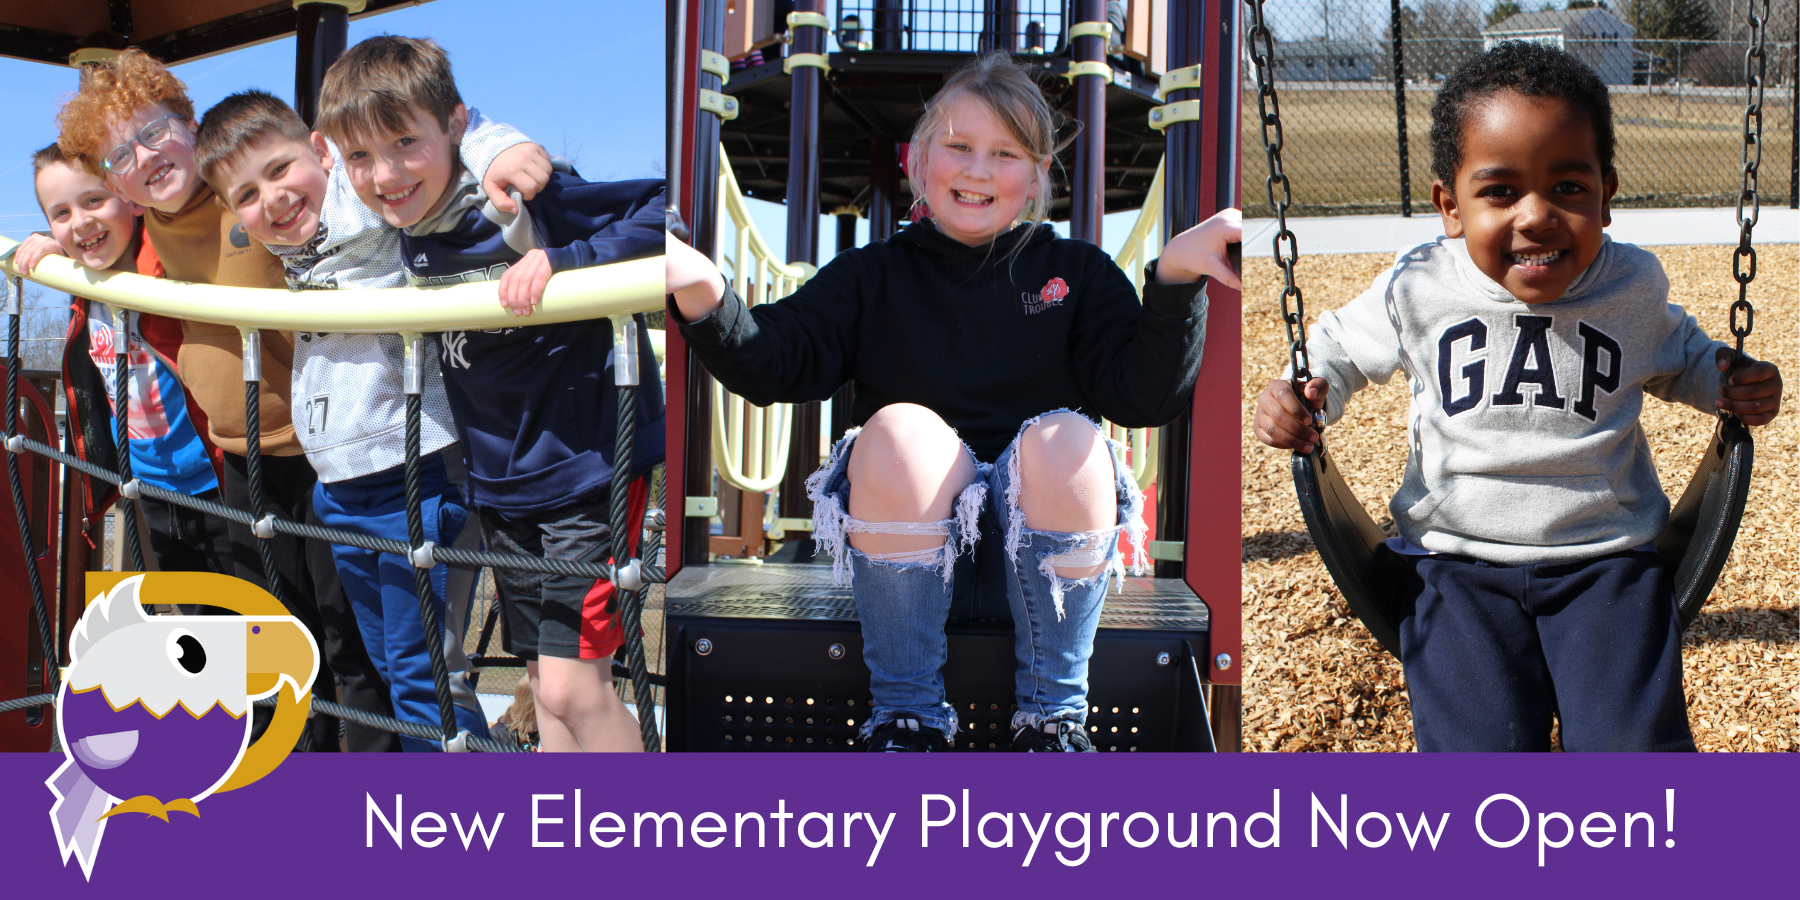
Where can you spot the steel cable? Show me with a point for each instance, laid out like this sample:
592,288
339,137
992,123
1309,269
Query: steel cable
39,607
469,559
122,427
415,530
253,470
631,605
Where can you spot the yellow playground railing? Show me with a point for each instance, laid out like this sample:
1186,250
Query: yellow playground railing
750,444
608,291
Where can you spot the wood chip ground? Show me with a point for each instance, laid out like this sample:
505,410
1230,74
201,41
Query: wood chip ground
1315,680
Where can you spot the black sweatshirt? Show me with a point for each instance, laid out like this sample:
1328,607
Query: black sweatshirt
982,338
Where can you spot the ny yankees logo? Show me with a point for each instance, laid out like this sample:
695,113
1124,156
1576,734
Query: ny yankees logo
454,343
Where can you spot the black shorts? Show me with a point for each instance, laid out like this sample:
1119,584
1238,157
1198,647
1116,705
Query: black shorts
543,612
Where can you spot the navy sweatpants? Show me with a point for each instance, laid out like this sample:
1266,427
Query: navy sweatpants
1493,653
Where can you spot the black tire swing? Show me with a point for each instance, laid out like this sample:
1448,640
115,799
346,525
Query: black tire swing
1703,522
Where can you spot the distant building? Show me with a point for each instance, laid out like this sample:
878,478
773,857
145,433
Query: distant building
1593,35
1325,61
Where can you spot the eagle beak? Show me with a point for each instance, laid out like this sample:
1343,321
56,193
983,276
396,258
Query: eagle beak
278,649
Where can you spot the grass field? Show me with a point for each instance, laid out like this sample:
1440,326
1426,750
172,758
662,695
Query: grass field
1315,680
1672,150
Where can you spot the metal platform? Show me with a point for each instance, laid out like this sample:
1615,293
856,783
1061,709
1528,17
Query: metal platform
770,658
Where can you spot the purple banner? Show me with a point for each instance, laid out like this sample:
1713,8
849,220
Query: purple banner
744,826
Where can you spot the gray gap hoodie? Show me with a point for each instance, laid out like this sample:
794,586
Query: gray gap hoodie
1524,433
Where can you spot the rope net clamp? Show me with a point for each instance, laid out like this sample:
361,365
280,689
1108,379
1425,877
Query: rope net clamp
1078,69
722,105
655,519
1179,80
458,744
264,527
629,577
413,376
715,64
1101,30
424,556
252,353
130,489
808,20
1163,116
625,352
16,444
815,60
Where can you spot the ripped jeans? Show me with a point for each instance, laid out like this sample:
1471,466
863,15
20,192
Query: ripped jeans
988,558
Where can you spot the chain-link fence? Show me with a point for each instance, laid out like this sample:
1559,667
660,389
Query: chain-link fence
1678,102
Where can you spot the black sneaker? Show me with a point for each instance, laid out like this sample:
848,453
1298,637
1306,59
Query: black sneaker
1053,737
906,736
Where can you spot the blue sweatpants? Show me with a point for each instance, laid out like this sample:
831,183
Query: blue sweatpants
1493,653
381,592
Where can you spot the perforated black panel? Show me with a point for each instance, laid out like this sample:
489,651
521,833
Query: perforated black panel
782,667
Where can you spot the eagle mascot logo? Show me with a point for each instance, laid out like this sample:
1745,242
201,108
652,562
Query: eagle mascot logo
154,710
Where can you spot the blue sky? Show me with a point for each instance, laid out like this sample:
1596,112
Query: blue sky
583,78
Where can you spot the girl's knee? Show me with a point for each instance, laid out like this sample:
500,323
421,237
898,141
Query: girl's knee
907,466
1067,482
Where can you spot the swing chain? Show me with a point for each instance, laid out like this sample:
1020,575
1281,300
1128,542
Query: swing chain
1756,63
1268,107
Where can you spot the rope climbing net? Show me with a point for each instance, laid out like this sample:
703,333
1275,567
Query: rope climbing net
616,292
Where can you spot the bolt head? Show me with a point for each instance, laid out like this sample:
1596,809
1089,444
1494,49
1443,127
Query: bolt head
1223,661
703,646
835,651
1163,659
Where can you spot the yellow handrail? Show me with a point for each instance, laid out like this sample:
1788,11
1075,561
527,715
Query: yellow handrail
1144,242
750,444
1139,248
593,293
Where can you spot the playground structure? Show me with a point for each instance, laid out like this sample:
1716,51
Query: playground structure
46,539
762,652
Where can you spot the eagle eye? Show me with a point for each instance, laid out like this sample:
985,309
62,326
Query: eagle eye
187,652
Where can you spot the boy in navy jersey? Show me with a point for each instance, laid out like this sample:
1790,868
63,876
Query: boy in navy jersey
540,462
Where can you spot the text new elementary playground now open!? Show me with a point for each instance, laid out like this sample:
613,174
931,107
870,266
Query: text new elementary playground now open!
558,821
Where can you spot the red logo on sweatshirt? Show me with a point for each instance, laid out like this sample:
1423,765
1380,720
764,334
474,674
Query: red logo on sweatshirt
1052,295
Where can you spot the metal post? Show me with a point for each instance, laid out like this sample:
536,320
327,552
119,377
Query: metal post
846,230
1794,115
702,215
1206,503
803,240
1400,115
803,143
680,85
1087,201
884,187
321,30
1182,189
887,24
1000,26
